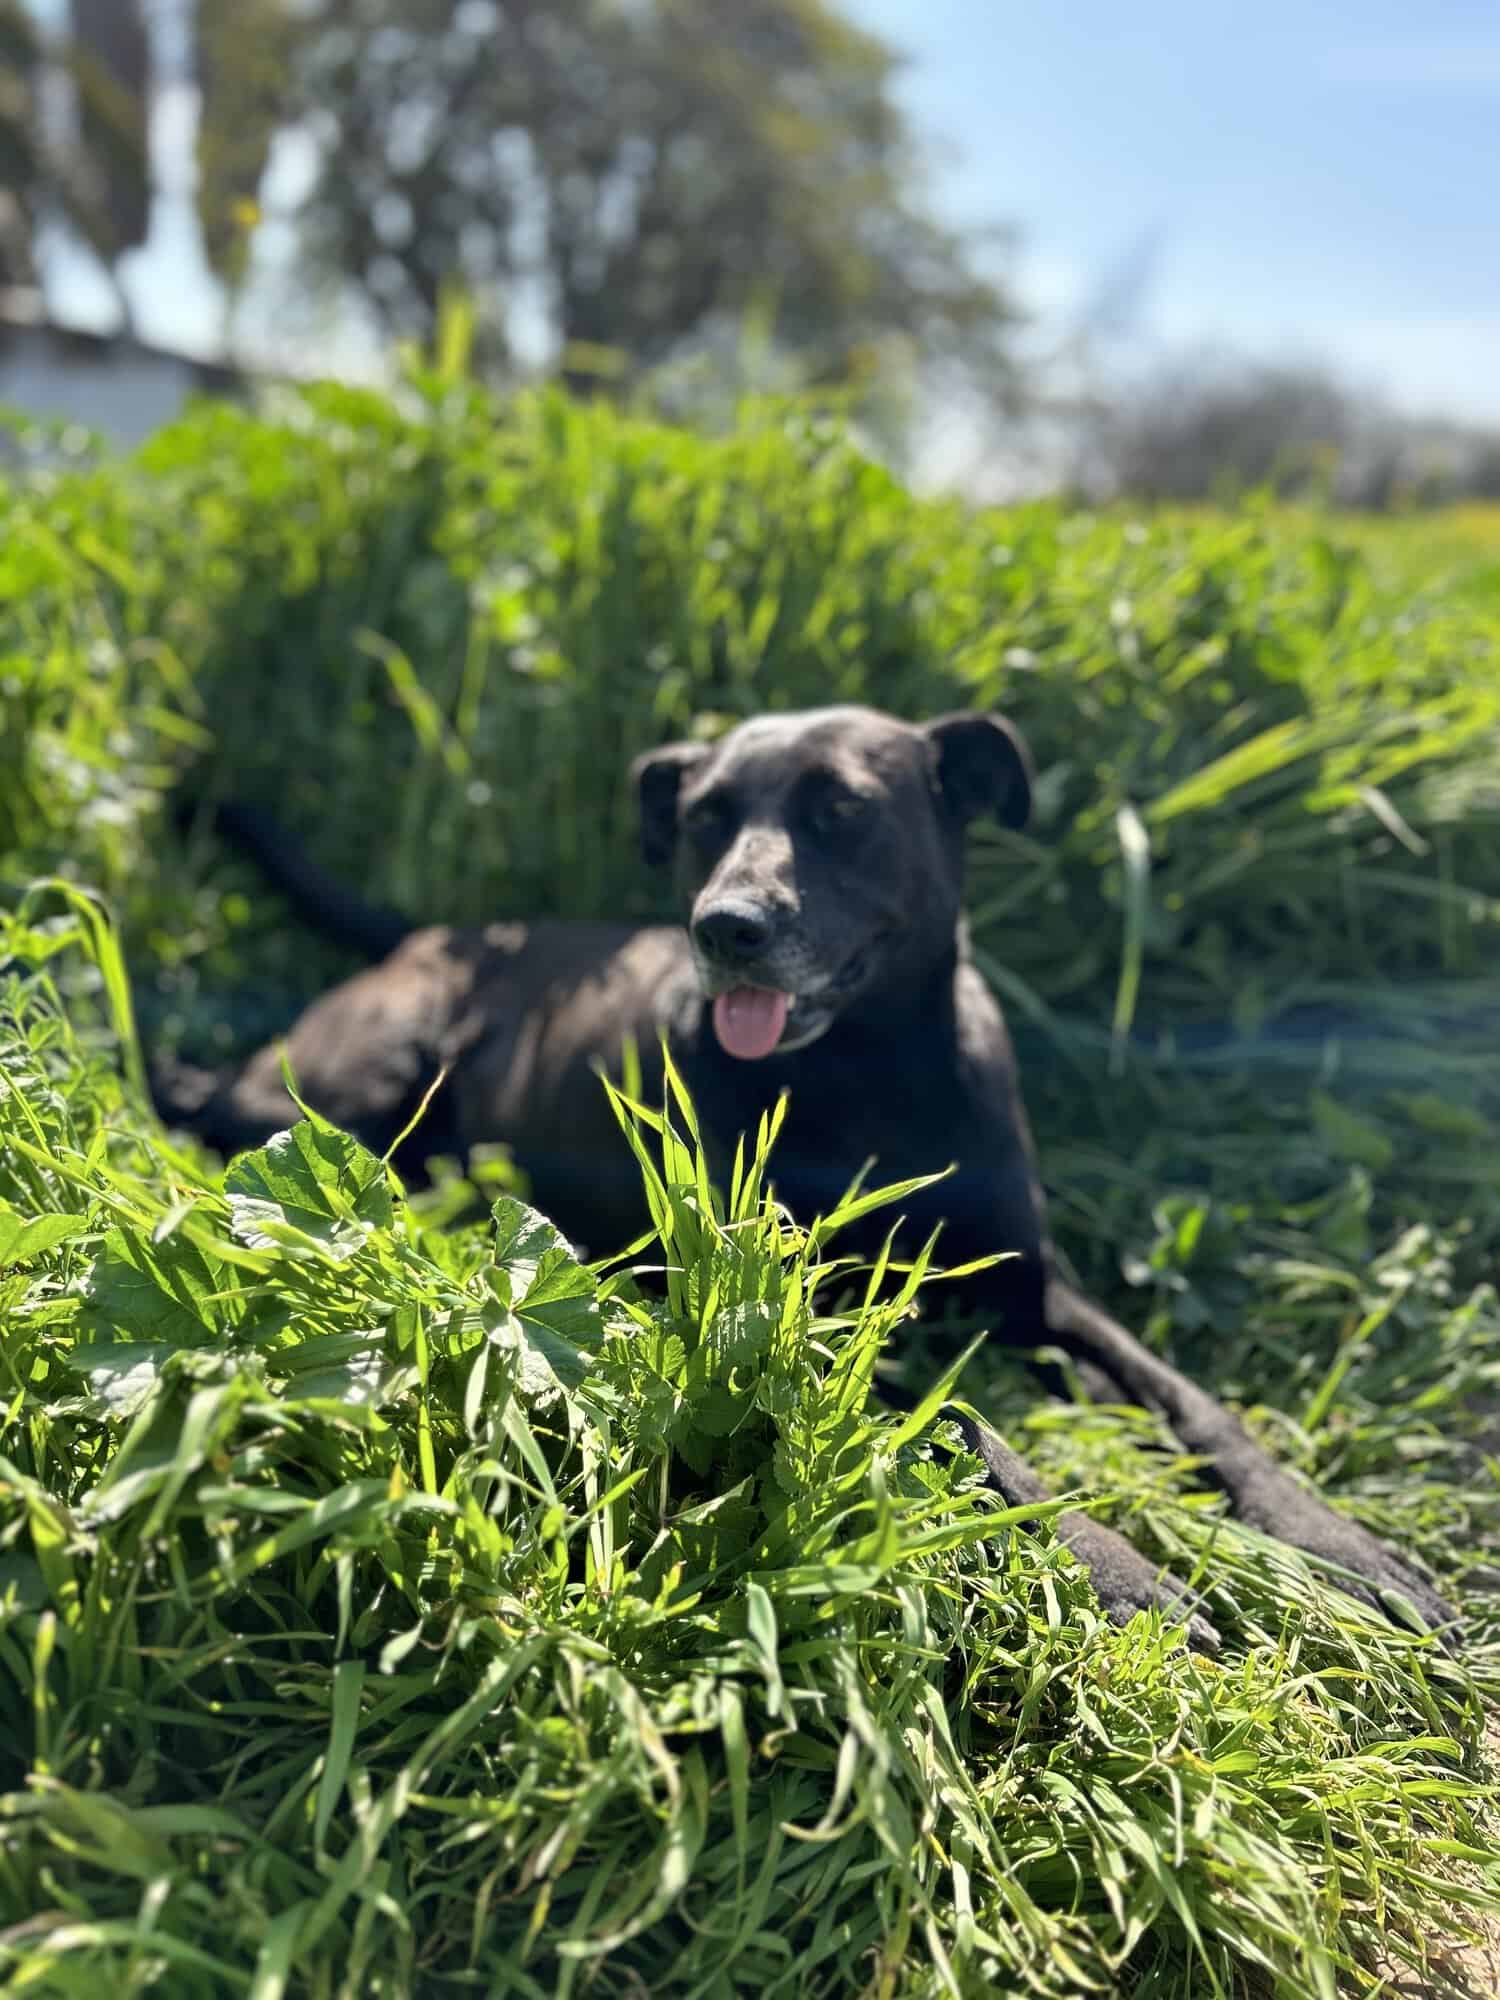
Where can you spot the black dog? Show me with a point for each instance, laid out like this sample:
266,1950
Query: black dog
820,859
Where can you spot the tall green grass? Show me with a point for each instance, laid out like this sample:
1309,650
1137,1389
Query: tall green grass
394,1610
1263,860
392,1606
480,612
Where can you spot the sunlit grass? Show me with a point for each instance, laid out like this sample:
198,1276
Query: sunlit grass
393,1611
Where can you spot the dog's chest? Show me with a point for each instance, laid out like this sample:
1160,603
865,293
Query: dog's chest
843,1112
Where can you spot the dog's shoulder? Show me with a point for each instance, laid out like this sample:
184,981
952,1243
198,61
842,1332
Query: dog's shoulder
982,1033
985,1058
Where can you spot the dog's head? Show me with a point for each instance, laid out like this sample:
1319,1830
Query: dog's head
820,856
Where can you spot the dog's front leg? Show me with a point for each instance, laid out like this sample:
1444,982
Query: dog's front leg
1125,1581
1262,1493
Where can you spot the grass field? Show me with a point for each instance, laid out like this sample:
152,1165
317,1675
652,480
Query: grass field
389,1605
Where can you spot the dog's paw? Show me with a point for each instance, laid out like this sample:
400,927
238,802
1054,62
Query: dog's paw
1127,1583
1359,1562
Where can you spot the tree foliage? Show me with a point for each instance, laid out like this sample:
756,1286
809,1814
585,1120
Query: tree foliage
245,50
1198,427
1201,426
20,61
88,171
110,61
636,175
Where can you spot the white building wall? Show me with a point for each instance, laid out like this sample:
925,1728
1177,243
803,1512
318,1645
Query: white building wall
124,393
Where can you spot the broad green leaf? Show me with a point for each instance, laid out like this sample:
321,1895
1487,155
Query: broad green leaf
162,1293
312,1182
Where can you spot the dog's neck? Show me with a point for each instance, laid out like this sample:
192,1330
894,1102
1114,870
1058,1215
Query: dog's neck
909,999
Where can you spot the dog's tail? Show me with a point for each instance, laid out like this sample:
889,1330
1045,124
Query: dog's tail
338,912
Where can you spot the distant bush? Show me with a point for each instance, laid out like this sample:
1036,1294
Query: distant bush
1202,428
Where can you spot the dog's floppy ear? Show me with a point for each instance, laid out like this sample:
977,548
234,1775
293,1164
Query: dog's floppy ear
983,768
657,776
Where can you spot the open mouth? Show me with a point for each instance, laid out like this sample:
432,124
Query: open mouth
753,1022
749,1021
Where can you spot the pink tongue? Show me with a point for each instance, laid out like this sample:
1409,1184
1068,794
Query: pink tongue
748,1021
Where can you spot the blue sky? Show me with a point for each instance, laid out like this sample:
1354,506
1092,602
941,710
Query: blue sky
1316,181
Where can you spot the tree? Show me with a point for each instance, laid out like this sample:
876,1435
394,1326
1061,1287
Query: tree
1201,425
246,51
631,175
87,171
110,61
20,170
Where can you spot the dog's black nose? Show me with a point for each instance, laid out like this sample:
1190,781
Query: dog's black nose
732,934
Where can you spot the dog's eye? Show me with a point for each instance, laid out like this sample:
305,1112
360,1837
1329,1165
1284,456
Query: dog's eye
709,821
838,810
